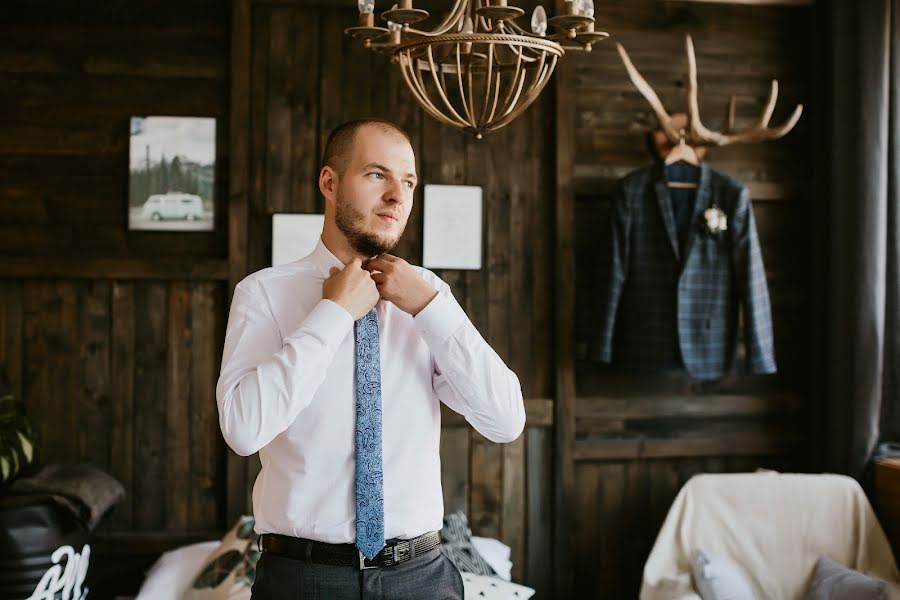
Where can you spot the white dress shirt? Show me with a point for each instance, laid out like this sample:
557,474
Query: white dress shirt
287,391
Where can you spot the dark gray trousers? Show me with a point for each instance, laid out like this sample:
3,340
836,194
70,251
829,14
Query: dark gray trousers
430,576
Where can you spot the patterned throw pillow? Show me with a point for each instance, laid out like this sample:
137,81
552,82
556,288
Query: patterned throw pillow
493,588
229,572
457,545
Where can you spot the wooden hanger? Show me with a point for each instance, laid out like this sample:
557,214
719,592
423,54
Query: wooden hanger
682,153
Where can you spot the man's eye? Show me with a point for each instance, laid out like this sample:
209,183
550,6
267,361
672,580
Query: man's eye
409,184
377,175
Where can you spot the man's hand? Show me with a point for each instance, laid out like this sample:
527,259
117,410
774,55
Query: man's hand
398,282
352,288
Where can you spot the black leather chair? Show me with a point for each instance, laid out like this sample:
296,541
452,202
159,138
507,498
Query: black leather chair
41,545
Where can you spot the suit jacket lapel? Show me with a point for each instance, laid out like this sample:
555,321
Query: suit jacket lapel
665,209
701,203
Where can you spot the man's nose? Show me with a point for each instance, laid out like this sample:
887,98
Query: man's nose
395,192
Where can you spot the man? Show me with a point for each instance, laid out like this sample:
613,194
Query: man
333,370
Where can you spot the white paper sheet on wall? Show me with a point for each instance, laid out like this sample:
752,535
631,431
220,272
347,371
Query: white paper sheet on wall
452,230
294,236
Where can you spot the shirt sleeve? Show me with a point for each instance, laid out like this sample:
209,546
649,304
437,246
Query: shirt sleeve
266,381
469,376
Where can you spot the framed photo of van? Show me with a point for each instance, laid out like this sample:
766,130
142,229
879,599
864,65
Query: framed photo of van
172,166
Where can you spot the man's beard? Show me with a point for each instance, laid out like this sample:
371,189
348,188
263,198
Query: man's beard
351,222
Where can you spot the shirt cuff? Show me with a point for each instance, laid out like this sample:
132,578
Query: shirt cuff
439,320
329,322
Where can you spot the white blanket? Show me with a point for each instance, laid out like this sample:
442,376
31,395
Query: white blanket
774,527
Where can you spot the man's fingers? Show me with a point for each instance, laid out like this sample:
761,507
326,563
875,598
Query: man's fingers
333,270
377,264
388,257
379,278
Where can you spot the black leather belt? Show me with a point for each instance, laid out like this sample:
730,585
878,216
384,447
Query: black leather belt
348,555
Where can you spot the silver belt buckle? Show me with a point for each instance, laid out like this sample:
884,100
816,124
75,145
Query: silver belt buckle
362,562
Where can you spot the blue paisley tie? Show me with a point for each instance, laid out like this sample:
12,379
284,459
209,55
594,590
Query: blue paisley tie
369,475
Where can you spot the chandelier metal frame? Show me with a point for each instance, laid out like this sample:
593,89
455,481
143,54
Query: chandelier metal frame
477,69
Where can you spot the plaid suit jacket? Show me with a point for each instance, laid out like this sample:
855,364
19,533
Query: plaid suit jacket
670,308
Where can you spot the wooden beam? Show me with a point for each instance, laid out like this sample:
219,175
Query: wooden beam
587,184
758,2
113,268
603,408
564,351
538,413
642,447
235,466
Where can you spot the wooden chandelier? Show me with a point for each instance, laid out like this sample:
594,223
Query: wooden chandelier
477,69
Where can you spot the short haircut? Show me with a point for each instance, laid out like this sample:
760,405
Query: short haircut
340,141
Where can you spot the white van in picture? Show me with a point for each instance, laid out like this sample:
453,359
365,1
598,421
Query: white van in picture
173,205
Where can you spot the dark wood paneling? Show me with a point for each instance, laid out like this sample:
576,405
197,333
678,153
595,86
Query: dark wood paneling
150,369
539,502
564,337
52,367
304,87
513,516
455,469
72,82
206,506
239,186
62,194
638,438
121,459
11,329
177,395
116,365
93,396
112,268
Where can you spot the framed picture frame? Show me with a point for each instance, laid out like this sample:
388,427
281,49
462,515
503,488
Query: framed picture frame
171,178
294,236
452,229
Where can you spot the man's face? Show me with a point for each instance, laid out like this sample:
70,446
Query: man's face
375,192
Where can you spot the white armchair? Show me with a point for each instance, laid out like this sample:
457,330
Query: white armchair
773,527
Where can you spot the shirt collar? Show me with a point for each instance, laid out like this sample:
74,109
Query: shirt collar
322,257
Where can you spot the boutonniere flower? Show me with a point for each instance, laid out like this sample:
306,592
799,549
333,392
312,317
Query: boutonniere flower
716,221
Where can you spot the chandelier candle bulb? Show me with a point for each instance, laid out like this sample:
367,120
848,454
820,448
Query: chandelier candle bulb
539,21
587,8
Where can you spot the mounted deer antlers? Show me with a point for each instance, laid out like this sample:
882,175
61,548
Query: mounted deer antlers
697,134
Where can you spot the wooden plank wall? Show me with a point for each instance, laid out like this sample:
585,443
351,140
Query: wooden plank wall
306,77
637,440
103,325
112,337
72,77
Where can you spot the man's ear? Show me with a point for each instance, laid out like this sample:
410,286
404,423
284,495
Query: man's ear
328,182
